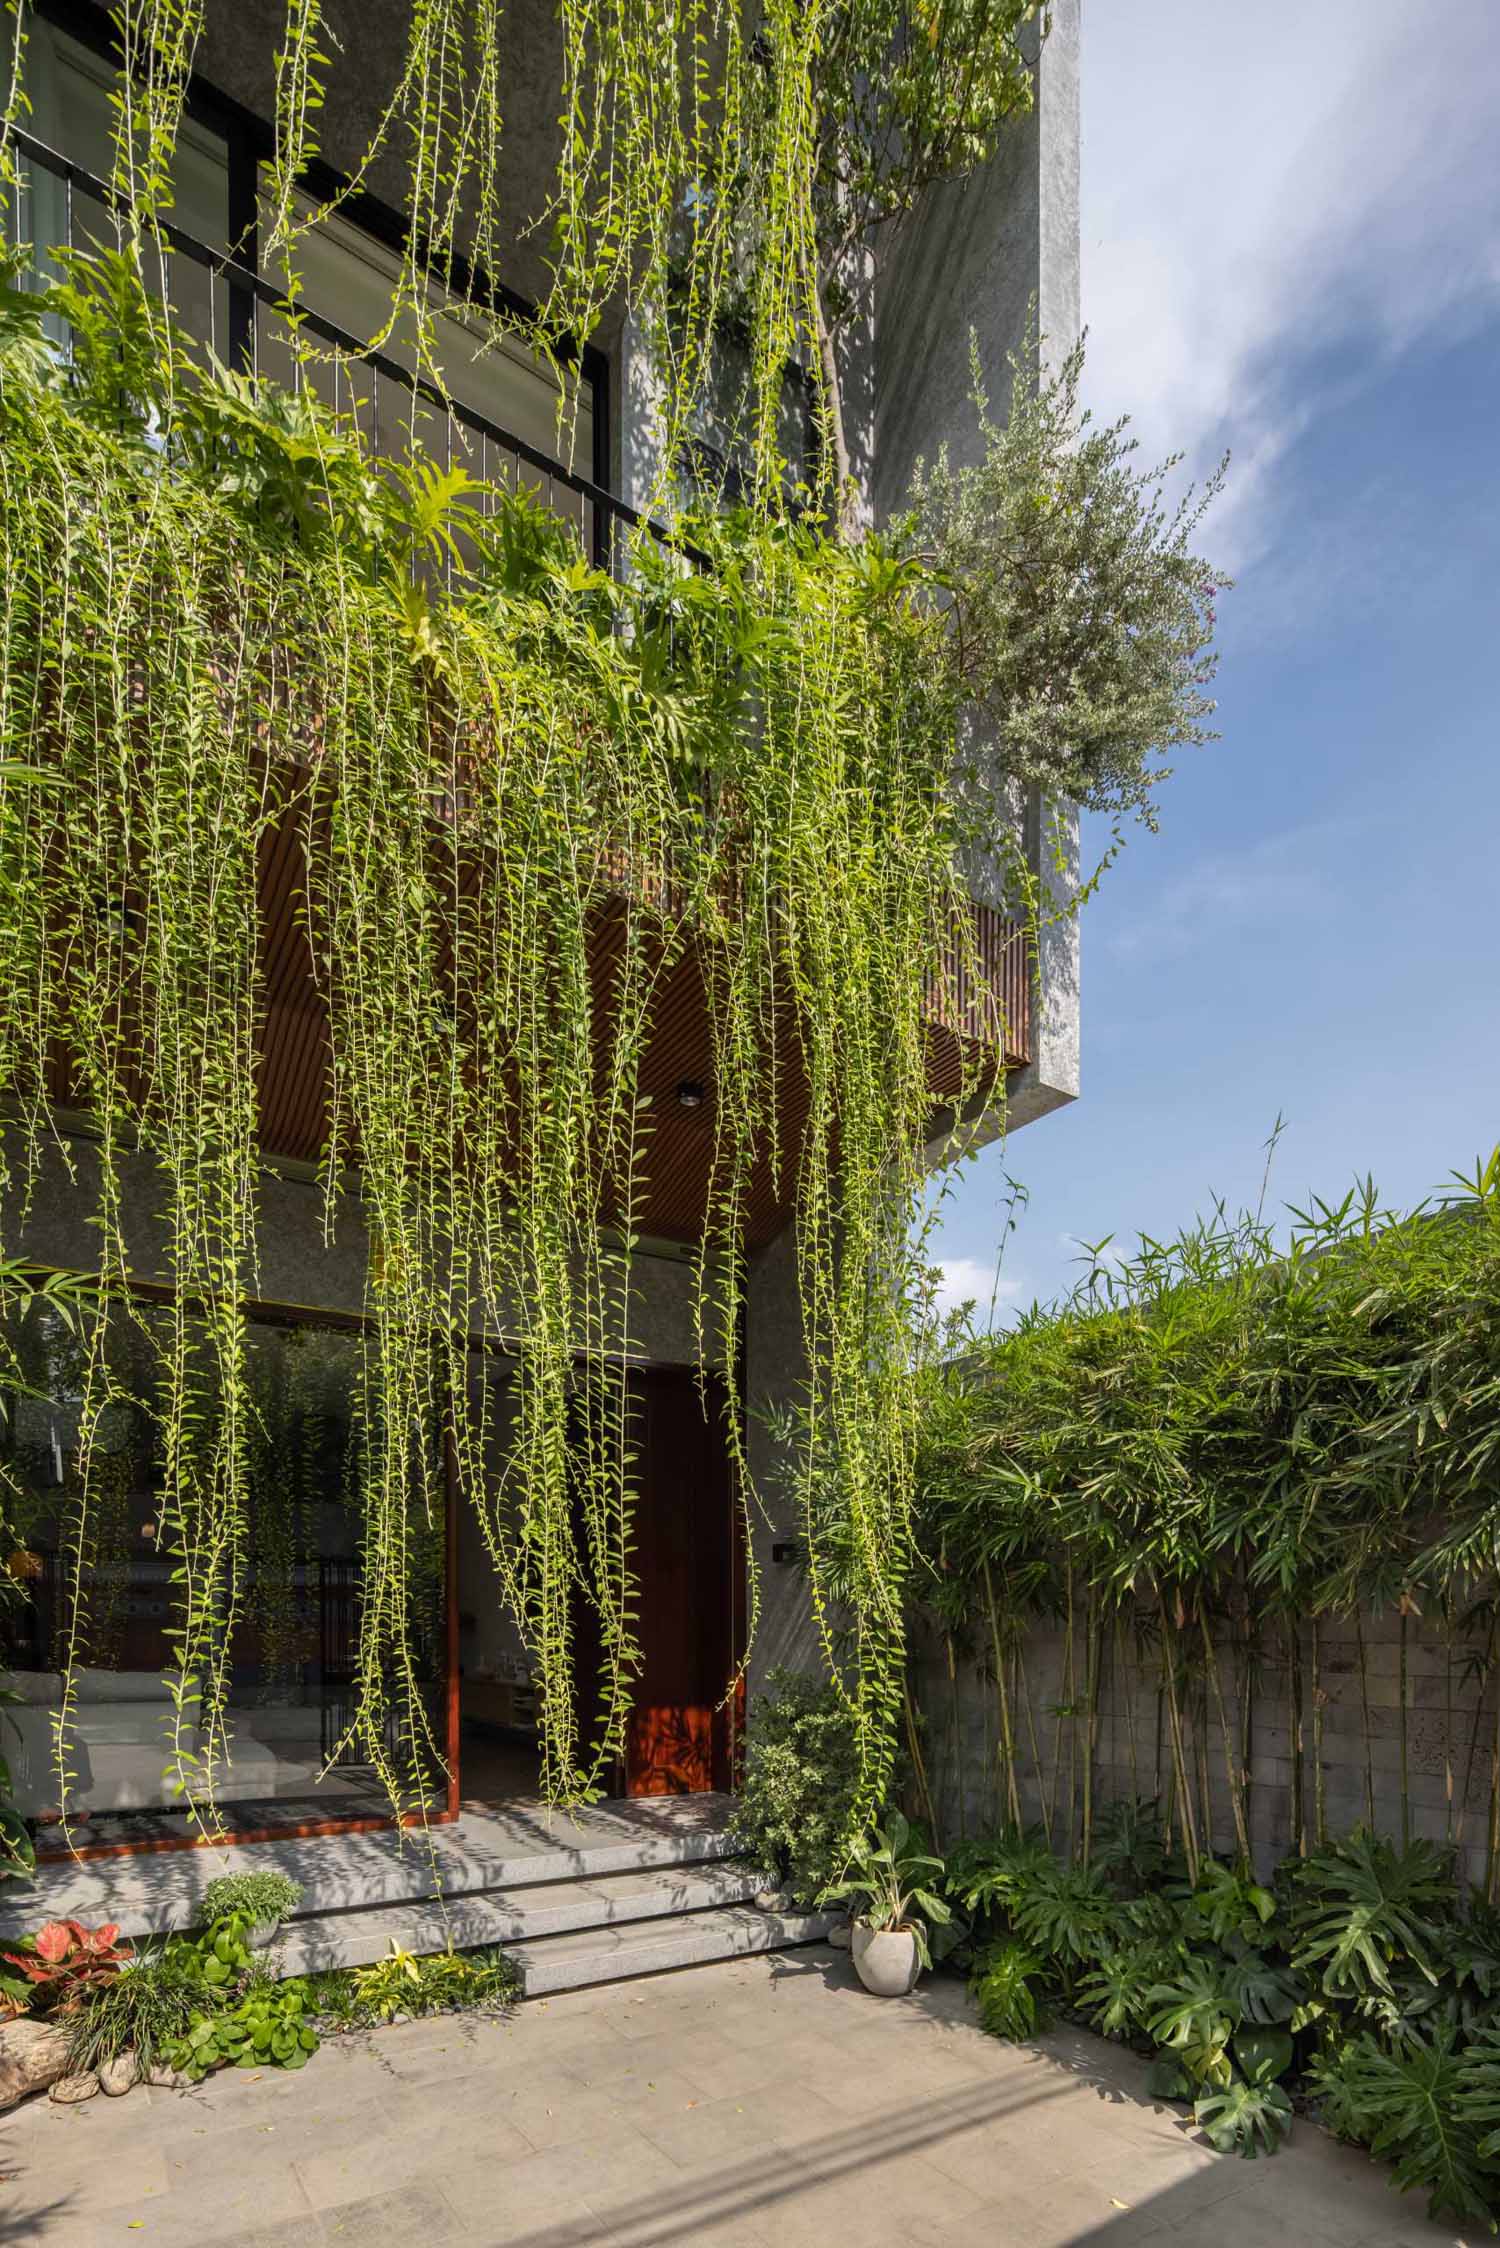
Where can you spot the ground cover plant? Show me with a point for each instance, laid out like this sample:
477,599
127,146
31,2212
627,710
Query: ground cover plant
404,1984
1360,1982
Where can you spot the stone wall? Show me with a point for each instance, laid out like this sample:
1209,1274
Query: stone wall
1450,1724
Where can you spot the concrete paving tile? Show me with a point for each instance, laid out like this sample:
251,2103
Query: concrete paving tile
93,2171
413,2214
790,2114
387,2149
557,2109
618,2167
1029,2217
671,2228
570,2224
660,2090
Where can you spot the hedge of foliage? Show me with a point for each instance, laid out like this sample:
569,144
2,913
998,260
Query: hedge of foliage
1360,1982
1214,1450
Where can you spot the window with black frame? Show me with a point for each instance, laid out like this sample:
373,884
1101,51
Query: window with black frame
499,388
89,1638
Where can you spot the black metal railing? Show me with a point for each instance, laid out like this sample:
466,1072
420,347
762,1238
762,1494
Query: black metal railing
604,522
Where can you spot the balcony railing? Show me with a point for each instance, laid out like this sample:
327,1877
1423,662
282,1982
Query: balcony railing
255,307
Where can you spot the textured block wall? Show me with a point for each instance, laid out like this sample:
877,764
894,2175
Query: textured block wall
1450,1728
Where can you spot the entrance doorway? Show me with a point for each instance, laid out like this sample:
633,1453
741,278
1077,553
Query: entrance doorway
682,1735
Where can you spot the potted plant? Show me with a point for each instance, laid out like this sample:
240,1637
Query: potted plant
258,1901
889,1941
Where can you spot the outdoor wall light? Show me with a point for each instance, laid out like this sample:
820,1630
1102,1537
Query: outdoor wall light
690,1094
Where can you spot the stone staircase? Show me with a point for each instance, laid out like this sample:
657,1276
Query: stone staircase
624,1889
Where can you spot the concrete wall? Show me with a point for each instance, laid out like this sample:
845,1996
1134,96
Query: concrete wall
981,264
296,1265
1448,1711
368,41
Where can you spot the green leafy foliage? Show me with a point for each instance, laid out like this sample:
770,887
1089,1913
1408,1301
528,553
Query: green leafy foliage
251,1897
1244,2117
1363,1904
891,1884
801,1777
1004,1983
150,2005
415,1984
1410,2104
1247,1994
270,2027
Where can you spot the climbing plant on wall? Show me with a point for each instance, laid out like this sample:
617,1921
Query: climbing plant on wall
222,621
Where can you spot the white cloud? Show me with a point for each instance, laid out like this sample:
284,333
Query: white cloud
972,1279
1266,186
1282,878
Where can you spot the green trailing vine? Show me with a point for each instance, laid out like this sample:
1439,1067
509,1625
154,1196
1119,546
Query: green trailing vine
222,621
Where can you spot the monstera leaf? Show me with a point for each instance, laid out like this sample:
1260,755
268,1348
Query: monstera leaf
1244,2118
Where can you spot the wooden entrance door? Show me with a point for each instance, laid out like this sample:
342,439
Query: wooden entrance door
689,1562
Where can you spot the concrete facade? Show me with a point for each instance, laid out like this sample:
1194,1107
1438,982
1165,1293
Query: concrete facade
1450,1724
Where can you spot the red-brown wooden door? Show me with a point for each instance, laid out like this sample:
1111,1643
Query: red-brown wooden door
689,1561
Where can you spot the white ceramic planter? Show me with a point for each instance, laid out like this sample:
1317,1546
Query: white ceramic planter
261,1933
885,1959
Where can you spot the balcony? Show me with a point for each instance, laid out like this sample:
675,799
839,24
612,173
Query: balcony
233,310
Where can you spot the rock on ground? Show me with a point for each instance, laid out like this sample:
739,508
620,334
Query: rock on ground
80,2087
32,2056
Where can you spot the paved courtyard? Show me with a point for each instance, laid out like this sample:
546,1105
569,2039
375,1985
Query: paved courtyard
766,2103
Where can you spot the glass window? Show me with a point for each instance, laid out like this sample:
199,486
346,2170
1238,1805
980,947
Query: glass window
72,112
348,278
82,1449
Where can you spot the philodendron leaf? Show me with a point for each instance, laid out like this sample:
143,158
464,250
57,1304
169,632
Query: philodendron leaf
1249,2119
1261,2055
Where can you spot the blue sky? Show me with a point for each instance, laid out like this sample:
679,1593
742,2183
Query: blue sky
1292,247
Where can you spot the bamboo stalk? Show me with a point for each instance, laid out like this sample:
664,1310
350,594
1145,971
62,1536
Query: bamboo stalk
1247,1719
1007,1739
1067,1699
1405,1775
1236,1795
1036,1752
1200,1755
1485,1672
918,1762
1091,1724
1174,1728
1320,1823
1364,1705
1294,1680
958,1737
1125,1690
1448,1720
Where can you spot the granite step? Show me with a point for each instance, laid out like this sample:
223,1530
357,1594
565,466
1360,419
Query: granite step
510,1916
644,1947
518,1846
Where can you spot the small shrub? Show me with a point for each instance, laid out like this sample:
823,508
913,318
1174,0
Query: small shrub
801,1777
148,2006
1004,1984
415,1983
270,2027
64,1959
254,1897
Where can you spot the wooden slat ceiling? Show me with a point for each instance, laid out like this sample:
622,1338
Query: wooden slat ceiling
293,1077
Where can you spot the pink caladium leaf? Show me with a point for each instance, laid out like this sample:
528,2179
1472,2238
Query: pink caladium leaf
101,1938
56,1940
